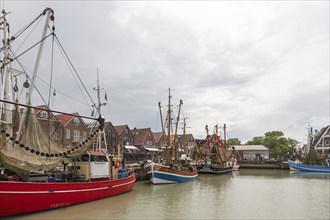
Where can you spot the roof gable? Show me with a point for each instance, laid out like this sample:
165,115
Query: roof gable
120,128
38,109
108,125
140,135
41,108
321,135
65,118
188,137
157,136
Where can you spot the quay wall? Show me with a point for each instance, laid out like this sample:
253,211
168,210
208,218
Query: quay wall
140,172
263,164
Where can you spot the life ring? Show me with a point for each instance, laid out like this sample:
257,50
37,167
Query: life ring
117,164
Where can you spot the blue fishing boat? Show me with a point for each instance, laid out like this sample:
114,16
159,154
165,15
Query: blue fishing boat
172,171
297,166
162,174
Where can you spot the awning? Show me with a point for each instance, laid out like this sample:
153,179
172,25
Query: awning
131,148
151,149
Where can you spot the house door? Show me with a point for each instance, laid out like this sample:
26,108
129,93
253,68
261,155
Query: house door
258,156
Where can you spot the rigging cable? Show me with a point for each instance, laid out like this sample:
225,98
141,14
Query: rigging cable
70,69
15,36
51,71
15,58
23,68
27,75
75,71
50,88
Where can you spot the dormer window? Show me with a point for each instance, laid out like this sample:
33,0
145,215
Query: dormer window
76,121
43,114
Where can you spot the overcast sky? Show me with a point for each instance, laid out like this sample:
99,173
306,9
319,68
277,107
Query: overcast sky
256,66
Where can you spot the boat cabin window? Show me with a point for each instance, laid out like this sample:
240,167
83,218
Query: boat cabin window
85,158
98,158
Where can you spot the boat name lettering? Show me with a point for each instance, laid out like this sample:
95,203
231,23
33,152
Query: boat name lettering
59,205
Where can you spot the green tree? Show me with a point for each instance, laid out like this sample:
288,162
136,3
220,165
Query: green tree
233,141
256,141
275,142
293,145
195,152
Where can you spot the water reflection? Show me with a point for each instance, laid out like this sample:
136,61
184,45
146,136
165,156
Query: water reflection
264,173
247,194
311,175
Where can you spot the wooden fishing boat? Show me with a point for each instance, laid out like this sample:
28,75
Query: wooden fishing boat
172,171
161,174
37,172
213,155
214,169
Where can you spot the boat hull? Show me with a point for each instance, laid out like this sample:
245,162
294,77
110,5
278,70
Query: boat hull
159,174
216,170
24,197
308,168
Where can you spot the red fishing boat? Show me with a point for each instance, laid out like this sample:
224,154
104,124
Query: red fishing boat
37,170
25,197
213,155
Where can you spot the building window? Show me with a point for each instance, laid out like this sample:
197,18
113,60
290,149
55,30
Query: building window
43,114
326,142
76,135
126,131
76,121
84,135
67,133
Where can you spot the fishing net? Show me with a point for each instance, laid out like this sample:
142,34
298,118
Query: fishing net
33,149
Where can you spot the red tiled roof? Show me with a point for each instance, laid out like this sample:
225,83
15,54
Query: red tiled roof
64,118
120,128
157,135
139,135
38,109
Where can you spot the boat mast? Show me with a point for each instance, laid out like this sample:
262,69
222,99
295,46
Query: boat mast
5,95
50,17
162,124
224,135
168,154
98,147
176,133
184,135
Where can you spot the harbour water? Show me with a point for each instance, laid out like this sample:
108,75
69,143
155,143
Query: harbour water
246,194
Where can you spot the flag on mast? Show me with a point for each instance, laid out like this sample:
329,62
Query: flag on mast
105,96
